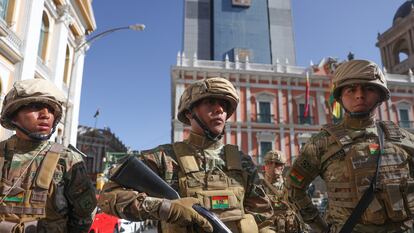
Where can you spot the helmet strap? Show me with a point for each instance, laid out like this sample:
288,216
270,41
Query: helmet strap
362,114
33,135
207,132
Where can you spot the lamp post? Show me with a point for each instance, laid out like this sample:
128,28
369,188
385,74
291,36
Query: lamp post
88,42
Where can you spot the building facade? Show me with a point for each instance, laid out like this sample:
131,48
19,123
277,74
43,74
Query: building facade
257,31
38,39
397,43
270,114
96,144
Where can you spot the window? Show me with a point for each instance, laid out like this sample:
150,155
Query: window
264,148
302,118
404,114
4,4
264,103
243,54
404,118
264,115
67,71
44,33
241,3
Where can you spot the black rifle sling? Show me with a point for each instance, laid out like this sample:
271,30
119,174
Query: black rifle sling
369,194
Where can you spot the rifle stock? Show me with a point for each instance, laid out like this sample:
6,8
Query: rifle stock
134,174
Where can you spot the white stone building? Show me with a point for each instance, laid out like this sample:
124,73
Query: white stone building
38,39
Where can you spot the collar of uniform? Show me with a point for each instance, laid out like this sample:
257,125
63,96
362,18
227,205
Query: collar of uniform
201,141
358,123
21,145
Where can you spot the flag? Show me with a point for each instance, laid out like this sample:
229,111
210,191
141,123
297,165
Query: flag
307,95
96,113
335,105
336,110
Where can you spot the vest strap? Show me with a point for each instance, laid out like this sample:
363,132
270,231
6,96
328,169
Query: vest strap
185,157
48,166
233,159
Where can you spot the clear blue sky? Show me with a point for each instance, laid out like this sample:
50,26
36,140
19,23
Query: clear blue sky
127,73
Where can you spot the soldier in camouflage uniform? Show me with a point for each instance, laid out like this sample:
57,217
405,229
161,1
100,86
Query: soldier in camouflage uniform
285,218
44,186
345,156
201,168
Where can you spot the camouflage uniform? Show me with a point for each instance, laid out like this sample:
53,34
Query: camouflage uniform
44,186
198,167
344,155
285,218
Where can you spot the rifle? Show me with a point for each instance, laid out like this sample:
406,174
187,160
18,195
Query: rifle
134,174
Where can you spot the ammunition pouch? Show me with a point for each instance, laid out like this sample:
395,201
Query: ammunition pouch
26,227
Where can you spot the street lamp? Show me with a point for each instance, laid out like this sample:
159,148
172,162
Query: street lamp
135,27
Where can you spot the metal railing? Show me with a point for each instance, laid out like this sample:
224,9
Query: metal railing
264,118
306,120
406,124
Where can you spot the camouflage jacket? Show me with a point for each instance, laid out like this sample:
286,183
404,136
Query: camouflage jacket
135,206
70,199
286,217
320,157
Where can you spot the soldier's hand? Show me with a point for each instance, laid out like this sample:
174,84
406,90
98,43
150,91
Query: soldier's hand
181,212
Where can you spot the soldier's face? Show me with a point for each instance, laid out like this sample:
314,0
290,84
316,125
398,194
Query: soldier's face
35,117
213,112
360,98
274,170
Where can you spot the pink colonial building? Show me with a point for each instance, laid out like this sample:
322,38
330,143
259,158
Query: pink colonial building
270,114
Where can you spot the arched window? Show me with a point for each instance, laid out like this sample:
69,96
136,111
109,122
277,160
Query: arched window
4,5
67,71
401,51
44,34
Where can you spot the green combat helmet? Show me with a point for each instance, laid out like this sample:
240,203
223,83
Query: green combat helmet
274,156
359,72
29,91
217,87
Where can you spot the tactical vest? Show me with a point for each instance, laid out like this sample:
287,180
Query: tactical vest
221,192
26,184
394,200
285,218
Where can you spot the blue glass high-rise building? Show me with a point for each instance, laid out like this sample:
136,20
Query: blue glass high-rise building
258,29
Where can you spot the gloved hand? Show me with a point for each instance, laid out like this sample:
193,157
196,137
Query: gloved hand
319,225
181,212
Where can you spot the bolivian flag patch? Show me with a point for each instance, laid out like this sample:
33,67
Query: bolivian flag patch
373,149
220,202
296,177
17,198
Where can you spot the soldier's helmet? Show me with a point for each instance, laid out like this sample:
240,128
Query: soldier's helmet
274,156
359,72
207,88
29,91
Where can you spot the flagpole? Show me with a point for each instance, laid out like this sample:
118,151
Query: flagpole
96,122
96,117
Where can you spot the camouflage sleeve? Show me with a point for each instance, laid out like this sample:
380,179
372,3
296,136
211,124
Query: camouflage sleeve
408,145
303,171
256,201
80,194
133,205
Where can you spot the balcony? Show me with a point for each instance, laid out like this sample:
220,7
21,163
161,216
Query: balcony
264,118
406,124
305,120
